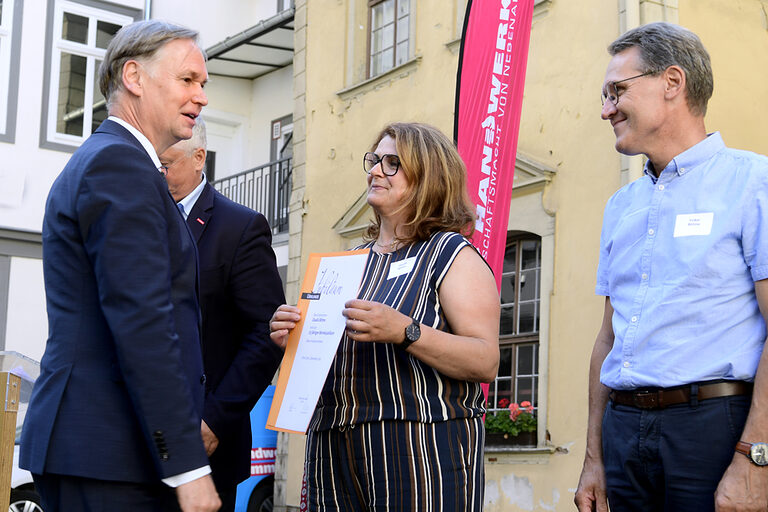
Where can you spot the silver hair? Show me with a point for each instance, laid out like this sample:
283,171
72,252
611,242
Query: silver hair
199,139
664,44
138,41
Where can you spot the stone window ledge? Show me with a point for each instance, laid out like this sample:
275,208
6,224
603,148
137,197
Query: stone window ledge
376,82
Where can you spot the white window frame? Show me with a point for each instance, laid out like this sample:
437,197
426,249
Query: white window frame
6,43
89,51
372,4
514,340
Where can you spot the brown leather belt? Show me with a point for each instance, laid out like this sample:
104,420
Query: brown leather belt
660,398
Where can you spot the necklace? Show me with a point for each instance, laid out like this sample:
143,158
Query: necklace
387,247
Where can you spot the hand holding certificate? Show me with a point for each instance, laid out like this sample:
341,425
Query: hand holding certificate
331,280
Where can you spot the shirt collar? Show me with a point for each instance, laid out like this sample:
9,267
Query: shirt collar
691,157
189,202
143,140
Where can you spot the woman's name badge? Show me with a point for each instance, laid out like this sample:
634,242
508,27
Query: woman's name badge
401,267
693,224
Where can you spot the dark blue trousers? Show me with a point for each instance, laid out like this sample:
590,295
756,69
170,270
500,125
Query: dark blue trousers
62,493
670,459
394,466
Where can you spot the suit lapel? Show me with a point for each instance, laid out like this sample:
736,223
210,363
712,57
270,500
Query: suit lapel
201,212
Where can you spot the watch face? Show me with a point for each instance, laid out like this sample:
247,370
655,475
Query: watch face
759,454
413,332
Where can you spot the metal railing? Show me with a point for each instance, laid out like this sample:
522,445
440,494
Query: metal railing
266,189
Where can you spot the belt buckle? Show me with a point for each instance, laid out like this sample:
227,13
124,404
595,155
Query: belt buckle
645,399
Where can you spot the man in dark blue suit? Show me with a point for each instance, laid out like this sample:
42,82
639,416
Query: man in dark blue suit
240,288
114,419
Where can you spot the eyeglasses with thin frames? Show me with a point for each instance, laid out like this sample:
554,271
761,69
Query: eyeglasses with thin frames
390,164
611,92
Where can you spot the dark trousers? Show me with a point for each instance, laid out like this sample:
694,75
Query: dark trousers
670,459
63,493
397,466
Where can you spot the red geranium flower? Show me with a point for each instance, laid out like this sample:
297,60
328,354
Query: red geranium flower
525,404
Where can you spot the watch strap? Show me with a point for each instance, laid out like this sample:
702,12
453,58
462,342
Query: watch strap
744,448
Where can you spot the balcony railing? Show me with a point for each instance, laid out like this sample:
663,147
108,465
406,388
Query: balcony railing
266,189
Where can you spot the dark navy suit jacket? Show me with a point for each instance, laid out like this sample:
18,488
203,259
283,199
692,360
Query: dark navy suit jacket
121,386
240,289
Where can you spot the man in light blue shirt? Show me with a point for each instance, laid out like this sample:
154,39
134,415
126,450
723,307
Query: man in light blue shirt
683,263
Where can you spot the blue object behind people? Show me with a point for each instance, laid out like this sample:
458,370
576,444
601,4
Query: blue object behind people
262,454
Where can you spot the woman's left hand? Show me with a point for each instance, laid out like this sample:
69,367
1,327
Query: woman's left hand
374,321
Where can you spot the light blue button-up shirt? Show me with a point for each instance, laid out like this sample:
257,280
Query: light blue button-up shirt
189,201
679,255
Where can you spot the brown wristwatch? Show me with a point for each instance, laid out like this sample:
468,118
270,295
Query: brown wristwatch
756,452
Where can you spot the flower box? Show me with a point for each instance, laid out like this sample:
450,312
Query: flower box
521,439
513,427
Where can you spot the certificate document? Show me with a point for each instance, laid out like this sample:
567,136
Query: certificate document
331,280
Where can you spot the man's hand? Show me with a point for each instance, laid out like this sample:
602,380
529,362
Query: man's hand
744,485
198,496
210,440
743,488
590,494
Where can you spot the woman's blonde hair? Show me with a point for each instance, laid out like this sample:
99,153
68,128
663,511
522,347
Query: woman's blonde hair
437,198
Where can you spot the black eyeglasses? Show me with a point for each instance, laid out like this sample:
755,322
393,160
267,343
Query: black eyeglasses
611,92
390,164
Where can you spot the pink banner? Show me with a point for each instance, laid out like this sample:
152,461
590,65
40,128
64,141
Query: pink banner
489,97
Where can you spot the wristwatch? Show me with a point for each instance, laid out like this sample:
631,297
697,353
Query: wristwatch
757,452
412,334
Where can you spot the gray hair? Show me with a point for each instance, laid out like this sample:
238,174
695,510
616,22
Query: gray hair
664,44
138,41
199,138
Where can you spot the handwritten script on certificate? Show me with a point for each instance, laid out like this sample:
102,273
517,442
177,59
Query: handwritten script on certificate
331,280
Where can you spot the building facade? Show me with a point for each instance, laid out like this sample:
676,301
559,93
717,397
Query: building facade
360,64
352,67
50,51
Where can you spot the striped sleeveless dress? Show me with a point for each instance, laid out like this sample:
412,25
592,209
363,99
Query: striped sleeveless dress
390,432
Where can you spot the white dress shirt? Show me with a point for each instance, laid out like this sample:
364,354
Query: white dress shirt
189,201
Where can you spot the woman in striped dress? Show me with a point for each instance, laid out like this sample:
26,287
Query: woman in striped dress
399,422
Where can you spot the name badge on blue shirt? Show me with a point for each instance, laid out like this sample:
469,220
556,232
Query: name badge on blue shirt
693,224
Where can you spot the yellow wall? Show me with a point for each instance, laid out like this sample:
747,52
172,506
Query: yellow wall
561,114
736,35
339,131
560,128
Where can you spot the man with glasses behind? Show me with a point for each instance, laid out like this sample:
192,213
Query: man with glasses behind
683,268
240,287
